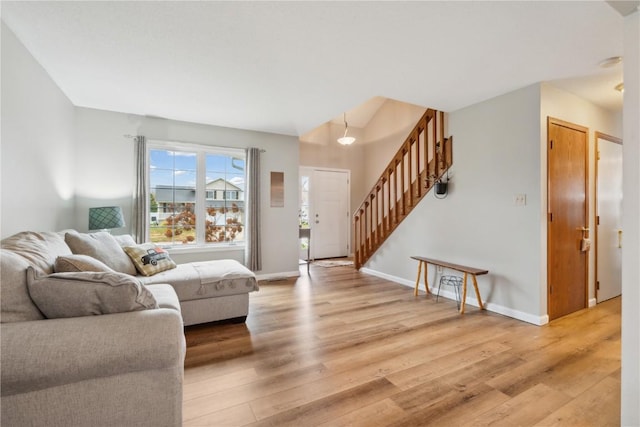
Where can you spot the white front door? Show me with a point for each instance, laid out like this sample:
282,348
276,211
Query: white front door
609,218
329,214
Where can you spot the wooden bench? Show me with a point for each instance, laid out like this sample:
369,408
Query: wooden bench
461,268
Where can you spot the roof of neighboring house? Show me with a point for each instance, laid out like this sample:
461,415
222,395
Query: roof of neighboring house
221,184
171,194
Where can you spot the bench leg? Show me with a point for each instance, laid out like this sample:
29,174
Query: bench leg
464,293
475,285
415,291
426,284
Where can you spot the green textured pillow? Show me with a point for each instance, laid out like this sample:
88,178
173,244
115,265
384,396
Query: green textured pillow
149,259
88,293
75,263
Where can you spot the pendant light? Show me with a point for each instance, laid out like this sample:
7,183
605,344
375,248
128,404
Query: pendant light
346,140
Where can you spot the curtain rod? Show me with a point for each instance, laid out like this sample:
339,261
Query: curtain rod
262,150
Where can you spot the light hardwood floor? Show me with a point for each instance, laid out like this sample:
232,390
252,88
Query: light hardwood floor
341,347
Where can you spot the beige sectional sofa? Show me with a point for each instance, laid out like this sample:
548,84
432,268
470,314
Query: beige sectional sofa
120,364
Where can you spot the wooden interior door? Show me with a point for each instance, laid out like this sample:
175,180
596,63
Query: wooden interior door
567,218
608,217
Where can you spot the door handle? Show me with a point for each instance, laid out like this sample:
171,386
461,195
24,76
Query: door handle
619,238
585,242
317,222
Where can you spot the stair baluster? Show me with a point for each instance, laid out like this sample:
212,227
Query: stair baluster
423,158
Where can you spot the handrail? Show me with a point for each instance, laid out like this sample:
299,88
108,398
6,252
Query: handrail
424,157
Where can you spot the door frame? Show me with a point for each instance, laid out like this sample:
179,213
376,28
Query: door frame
579,128
598,136
312,202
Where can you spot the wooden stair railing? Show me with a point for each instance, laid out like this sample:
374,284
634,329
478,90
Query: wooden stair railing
422,160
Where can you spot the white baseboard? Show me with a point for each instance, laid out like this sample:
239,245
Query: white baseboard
471,300
410,283
517,314
592,302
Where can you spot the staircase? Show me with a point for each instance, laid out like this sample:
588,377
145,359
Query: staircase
421,161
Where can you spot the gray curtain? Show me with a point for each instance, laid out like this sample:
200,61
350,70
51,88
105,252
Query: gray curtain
253,248
141,198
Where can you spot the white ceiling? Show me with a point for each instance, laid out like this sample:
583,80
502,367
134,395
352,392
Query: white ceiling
287,67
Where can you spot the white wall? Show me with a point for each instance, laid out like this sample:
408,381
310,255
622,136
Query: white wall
385,133
37,145
499,150
631,225
330,154
496,155
372,151
106,165
58,160
565,106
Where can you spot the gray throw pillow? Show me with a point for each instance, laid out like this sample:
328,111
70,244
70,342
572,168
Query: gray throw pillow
88,293
75,263
103,247
124,240
39,249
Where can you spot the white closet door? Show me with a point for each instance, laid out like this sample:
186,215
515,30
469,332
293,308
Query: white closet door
609,229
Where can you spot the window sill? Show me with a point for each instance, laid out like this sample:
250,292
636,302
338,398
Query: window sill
190,249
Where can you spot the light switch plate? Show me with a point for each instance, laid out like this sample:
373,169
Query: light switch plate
520,200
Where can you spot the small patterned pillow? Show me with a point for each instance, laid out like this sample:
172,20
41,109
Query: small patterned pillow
149,259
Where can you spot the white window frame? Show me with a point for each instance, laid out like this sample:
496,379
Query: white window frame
201,151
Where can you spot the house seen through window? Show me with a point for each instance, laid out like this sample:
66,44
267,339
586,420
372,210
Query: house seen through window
196,195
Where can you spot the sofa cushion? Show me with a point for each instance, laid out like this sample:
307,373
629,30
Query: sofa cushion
124,240
72,355
207,279
39,249
102,246
74,263
16,304
88,293
149,259
165,295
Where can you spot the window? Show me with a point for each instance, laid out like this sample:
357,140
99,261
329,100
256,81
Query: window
303,213
187,184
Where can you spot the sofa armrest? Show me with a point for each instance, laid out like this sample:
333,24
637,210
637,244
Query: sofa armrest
44,353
